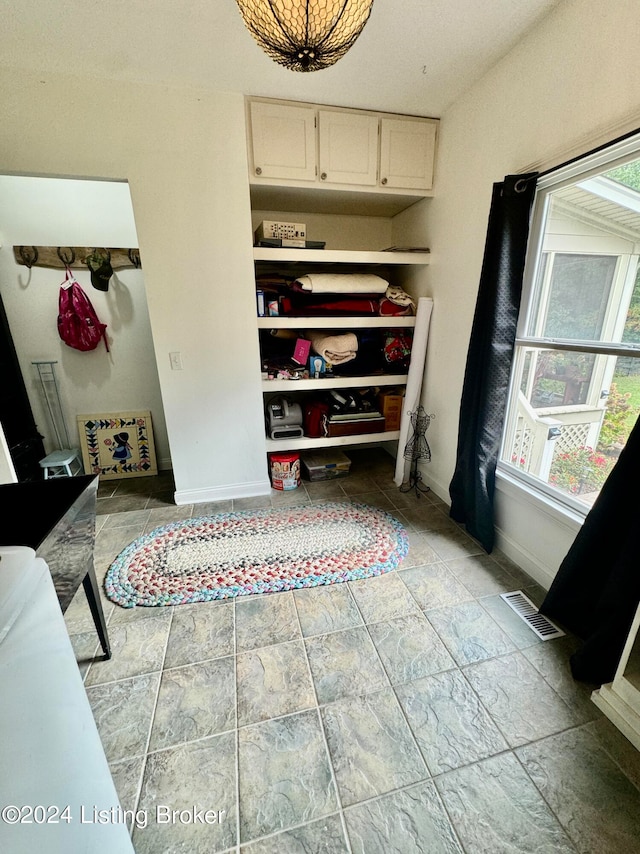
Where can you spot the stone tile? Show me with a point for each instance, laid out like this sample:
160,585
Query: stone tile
519,631
324,836
326,490
324,609
450,724
137,647
482,576
111,541
273,681
434,586
122,712
289,497
469,633
78,617
356,484
285,778
374,499
264,620
127,777
132,518
344,664
194,702
495,807
382,598
452,544
409,822
212,508
617,747
594,801
371,746
256,502
165,515
518,699
120,504
121,615
420,553
409,648
87,648
162,499
199,632
425,516
551,660
200,775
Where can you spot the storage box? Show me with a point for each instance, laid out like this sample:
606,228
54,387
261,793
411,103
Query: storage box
355,426
390,404
325,464
282,230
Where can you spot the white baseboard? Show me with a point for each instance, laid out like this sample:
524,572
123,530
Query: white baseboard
524,559
223,493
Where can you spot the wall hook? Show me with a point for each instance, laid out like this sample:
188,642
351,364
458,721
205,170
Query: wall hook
134,257
65,260
29,255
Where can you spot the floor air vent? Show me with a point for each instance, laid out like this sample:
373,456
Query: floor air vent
528,612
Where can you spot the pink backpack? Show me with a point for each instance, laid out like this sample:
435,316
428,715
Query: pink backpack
78,323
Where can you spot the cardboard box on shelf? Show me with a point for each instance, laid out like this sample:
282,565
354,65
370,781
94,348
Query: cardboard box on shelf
390,404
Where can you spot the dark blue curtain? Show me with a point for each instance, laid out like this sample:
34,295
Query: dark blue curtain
486,381
596,591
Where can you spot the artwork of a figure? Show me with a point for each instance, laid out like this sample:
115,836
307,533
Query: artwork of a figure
122,450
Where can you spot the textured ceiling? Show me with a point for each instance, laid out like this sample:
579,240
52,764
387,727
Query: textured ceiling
414,56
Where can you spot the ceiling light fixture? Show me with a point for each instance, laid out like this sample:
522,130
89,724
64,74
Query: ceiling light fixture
305,35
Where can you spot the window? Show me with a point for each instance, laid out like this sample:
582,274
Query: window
575,388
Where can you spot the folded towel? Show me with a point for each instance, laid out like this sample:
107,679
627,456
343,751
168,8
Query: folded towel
343,283
335,349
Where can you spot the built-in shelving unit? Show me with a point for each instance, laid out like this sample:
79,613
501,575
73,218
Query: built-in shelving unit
292,260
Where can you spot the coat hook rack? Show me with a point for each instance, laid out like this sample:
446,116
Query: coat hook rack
28,255
59,257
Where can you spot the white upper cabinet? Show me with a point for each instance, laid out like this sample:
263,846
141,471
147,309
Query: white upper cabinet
283,141
348,148
407,150
294,145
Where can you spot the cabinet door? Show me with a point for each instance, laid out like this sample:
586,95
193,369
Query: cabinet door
283,141
407,150
348,148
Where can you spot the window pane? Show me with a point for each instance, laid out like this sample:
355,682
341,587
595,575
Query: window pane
578,296
572,446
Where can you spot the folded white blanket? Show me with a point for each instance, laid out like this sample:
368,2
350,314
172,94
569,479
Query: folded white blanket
343,283
336,349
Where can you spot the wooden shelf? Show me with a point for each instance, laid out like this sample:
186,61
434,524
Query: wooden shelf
370,322
339,256
333,382
305,443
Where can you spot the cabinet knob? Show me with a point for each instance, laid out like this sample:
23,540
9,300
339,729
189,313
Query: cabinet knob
258,170
384,181
323,176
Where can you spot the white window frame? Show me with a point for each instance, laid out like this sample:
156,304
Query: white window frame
587,167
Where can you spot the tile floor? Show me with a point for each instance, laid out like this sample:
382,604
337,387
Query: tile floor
407,713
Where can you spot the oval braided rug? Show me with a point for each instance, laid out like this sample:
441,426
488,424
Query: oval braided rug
255,551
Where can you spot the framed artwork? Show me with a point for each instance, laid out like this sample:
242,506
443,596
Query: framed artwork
119,445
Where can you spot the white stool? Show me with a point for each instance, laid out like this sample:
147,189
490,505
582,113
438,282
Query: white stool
59,463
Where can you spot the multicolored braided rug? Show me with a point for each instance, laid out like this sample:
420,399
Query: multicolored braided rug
263,551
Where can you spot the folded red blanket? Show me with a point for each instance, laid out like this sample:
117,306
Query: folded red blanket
344,306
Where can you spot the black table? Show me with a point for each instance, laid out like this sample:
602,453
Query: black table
57,518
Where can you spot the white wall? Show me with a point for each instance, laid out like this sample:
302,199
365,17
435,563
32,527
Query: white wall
54,212
183,152
572,84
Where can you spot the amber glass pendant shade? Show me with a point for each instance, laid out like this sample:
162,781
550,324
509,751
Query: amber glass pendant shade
305,35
